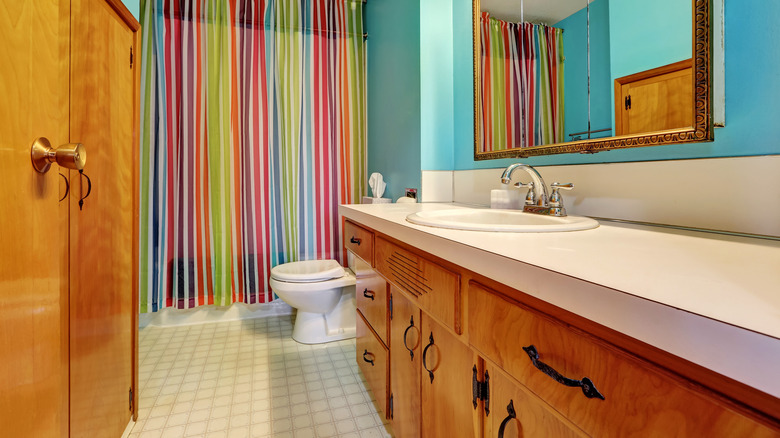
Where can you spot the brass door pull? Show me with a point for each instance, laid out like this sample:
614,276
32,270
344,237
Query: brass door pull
71,155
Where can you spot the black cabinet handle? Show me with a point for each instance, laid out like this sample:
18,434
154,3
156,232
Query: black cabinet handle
89,189
368,294
366,353
67,187
510,408
585,384
411,324
355,240
425,353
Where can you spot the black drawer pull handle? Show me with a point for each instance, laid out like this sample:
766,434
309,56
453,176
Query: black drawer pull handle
355,240
89,189
510,408
366,353
425,353
368,294
411,324
585,384
67,187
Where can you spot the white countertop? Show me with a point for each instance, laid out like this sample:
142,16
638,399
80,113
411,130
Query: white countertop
712,299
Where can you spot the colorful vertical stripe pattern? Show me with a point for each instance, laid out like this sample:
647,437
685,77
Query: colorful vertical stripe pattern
252,133
522,84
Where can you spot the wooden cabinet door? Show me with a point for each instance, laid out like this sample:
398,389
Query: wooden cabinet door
447,409
526,417
101,224
405,364
655,100
34,89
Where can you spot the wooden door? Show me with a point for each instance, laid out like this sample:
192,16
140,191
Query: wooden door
101,224
527,417
405,364
655,100
447,409
34,89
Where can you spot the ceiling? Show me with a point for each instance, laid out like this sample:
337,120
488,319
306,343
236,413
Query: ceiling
536,11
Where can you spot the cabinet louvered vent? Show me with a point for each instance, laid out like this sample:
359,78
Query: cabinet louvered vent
407,273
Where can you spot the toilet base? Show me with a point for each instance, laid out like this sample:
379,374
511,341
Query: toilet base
319,328
312,328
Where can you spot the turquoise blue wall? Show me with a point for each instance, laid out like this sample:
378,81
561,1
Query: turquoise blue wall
575,72
436,84
134,6
463,79
393,112
668,21
752,106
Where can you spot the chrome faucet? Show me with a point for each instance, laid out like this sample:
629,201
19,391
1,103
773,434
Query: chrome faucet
538,200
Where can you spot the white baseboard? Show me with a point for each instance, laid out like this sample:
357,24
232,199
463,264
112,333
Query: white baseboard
169,317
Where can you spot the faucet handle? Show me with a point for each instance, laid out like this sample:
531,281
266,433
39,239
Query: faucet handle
556,185
530,197
556,200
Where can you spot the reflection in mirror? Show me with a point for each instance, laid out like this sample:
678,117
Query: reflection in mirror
561,73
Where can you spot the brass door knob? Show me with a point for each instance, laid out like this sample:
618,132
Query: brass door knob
71,155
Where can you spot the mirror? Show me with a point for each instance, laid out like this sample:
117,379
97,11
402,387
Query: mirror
563,76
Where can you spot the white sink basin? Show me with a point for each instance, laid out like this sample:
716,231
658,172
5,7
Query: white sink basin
512,221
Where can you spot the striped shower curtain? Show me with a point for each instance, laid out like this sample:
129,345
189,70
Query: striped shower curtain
252,134
522,84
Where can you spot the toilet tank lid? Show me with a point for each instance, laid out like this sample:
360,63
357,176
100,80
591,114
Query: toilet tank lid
308,271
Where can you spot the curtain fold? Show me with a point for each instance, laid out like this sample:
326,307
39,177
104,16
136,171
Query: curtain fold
521,92
252,134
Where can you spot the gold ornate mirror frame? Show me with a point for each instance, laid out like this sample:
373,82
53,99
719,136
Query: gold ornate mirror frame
702,129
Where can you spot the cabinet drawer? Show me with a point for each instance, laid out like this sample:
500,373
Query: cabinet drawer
371,295
360,241
371,356
435,289
639,398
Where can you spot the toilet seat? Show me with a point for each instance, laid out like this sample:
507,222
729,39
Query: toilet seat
308,271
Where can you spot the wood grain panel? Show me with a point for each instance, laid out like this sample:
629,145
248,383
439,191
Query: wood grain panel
34,87
533,418
638,397
447,409
360,241
661,99
435,289
405,368
372,359
101,282
372,299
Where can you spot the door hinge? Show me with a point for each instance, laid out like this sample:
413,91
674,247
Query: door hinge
481,390
131,399
131,57
391,307
628,102
391,406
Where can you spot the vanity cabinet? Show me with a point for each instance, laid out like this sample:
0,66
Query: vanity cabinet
600,388
471,357
406,343
446,384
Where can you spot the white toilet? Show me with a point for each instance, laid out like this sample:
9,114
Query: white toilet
323,291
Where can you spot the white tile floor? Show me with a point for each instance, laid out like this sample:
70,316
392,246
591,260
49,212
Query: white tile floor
250,379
